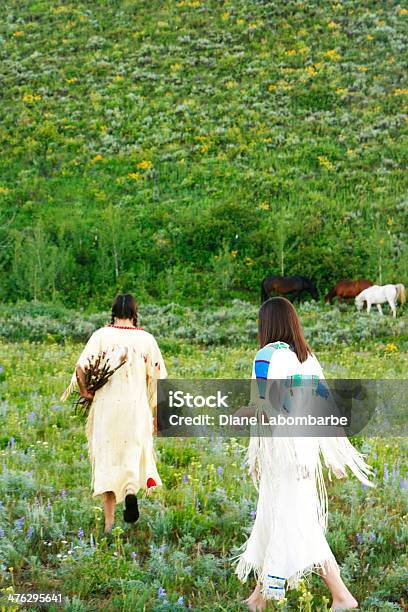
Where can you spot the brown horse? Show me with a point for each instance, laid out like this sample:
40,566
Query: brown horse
287,284
347,289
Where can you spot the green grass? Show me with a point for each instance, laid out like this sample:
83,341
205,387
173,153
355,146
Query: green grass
189,530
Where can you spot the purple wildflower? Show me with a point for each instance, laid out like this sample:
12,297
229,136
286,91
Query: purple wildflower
219,470
185,478
1,532
133,555
63,493
81,456
80,533
19,523
161,592
11,442
180,601
372,536
385,472
403,484
359,538
253,514
30,532
31,417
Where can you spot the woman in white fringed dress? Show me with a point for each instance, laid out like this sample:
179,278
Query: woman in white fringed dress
122,418
288,536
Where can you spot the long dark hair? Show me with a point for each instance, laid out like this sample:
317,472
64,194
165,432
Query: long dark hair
278,321
125,307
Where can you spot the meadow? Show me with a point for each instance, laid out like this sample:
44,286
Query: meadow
178,555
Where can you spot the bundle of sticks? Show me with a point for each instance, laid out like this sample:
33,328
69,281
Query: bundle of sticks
97,373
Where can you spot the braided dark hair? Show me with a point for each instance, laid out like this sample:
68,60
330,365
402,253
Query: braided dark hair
125,307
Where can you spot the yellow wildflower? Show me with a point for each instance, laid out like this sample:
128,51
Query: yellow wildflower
118,77
325,162
97,158
175,67
332,25
369,37
135,176
264,205
31,98
291,52
4,190
403,11
145,164
70,81
333,55
18,33
272,87
341,90
311,70
234,253
400,92
391,347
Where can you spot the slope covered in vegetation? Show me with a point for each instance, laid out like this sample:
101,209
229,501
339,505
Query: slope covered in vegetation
184,149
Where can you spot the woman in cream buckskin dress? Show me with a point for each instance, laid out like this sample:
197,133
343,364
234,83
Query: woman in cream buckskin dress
122,417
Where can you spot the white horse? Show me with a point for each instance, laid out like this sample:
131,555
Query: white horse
379,294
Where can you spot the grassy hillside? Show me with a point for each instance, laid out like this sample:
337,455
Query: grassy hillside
184,149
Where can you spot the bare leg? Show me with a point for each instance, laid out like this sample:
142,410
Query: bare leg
256,601
342,598
109,502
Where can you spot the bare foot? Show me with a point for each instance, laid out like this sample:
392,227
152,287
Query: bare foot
256,601
348,603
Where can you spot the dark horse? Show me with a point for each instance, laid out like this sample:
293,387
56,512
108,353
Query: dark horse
287,284
347,289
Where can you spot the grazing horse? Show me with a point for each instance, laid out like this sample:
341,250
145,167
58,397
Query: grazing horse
347,289
378,295
287,284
